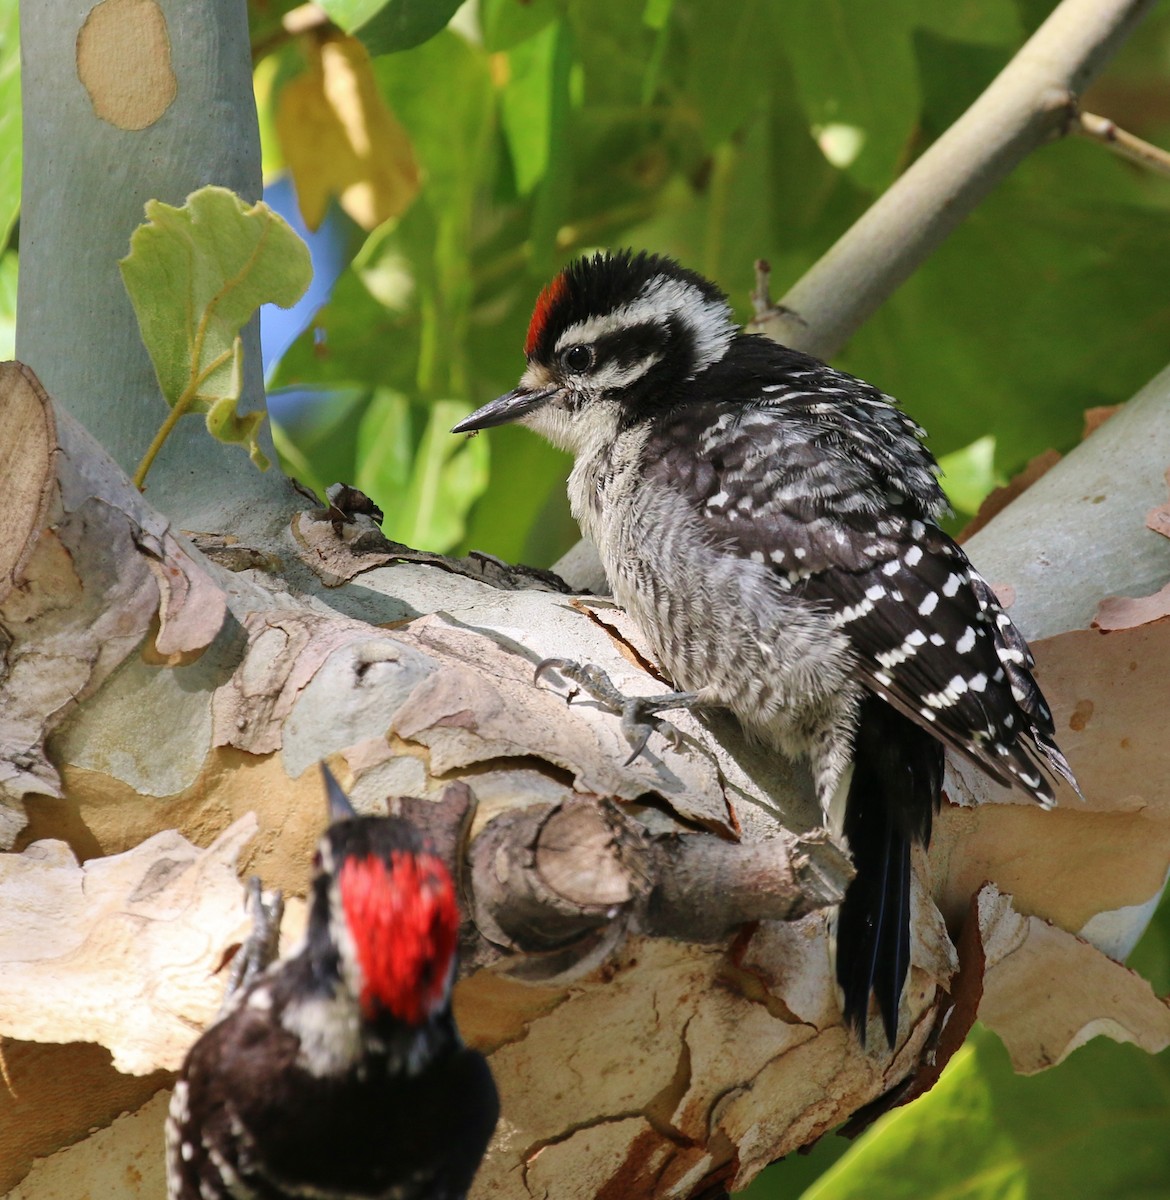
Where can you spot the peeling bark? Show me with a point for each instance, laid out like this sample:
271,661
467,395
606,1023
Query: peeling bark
658,930
646,954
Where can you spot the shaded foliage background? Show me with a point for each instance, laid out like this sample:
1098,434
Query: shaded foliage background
717,133
446,172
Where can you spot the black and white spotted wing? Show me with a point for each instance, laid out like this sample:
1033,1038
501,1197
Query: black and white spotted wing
822,478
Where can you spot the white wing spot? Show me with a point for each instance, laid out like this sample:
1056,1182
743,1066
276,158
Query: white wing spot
851,613
929,603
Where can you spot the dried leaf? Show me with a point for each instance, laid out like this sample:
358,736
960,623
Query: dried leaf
340,139
1096,417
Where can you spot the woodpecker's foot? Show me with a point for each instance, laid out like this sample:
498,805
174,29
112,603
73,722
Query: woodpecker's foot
638,713
262,946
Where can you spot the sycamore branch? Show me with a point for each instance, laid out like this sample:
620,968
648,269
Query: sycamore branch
1028,104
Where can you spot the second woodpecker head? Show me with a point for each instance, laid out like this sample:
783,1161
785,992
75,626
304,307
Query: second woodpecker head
611,337
384,903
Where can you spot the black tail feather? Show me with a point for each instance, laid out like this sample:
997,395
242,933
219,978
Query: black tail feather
895,790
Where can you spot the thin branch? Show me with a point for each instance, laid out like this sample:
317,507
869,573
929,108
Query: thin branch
1027,105
1124,145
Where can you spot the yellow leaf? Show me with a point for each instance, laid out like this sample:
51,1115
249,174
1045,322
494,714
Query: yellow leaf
340,139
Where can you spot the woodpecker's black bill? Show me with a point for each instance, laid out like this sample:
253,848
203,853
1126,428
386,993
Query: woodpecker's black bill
510,407
340,808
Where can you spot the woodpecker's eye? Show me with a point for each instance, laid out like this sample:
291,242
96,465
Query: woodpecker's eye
577,359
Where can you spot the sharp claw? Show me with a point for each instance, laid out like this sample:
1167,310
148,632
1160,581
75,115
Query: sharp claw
638,713
641,732
549,664
261,946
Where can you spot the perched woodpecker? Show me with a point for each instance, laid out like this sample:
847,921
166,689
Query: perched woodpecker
771,524
338,1073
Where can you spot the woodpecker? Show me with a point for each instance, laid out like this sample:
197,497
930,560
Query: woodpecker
339,1073
771,525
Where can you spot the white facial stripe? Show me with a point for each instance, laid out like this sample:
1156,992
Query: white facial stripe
614,375
709,321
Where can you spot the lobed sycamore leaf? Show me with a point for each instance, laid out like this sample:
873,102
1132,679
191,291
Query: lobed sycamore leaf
195,275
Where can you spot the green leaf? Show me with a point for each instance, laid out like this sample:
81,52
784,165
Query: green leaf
316,430
9,118
385,449
389,25
523,516
983,22
968,475
732,53
552,198
507,23
1041,305
448,475
953,74
657,13
195,275
526,107
1093,1127
241,429
855,71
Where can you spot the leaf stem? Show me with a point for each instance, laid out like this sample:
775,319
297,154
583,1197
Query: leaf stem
180,408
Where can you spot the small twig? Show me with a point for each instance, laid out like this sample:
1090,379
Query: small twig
1124,145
